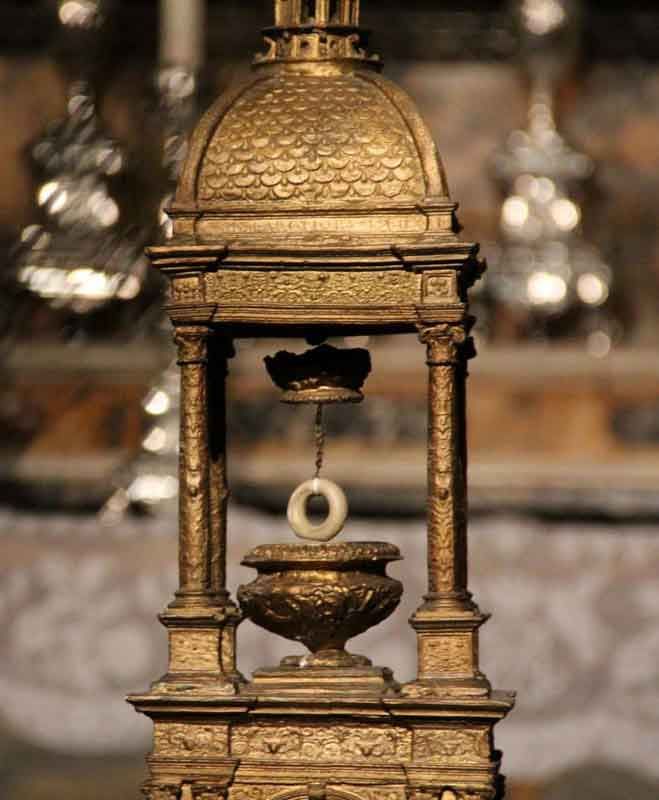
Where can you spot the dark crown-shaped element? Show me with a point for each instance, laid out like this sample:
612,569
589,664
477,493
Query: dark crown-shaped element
325,374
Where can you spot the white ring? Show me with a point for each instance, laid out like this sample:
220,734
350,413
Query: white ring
299,520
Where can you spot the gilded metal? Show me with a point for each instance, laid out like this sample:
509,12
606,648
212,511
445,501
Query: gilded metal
321,595
314,204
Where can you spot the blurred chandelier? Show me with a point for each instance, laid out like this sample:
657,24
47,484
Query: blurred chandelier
545,267
78,256
150,483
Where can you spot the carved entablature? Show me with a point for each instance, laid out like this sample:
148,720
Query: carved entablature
321,287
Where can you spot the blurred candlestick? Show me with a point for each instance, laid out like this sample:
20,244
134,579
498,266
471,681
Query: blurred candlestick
182,28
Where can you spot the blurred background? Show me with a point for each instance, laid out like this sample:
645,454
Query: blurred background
546,113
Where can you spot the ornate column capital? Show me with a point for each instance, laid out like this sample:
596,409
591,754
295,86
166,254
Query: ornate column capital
448,344
191,342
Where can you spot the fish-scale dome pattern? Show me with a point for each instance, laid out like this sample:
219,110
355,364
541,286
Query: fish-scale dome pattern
308,140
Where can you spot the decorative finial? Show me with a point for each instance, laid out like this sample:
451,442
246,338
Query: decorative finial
316,30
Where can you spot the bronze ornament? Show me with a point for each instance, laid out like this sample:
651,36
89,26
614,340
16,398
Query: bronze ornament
313,204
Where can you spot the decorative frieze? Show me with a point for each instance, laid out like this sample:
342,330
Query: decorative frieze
182,739
451,746
312,287
322,743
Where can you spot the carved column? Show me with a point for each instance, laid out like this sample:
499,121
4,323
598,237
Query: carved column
194,502
200,615
447,540
447,622
228,615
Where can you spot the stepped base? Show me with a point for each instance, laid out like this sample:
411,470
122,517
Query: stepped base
318,675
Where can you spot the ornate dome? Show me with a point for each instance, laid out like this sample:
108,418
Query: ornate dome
306,140
313,193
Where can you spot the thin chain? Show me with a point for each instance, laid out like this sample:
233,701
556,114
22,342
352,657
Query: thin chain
319,432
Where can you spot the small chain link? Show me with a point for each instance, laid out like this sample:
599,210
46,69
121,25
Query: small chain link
319,432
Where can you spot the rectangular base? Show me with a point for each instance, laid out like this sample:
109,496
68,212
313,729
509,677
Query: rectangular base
321,681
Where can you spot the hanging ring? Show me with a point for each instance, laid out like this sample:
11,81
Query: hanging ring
336,518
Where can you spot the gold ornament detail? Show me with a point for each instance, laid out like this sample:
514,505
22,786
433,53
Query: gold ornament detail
187,290
324,226
312,287
264,791
191,650
194,461
451,745
322,743
314,204
200,792
447,653
308,139
367,793
440,288
161,792
179,739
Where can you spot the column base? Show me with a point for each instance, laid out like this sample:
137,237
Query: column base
477,686
447,638
201,650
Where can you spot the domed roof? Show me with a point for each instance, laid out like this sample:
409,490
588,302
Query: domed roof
290,140
313,193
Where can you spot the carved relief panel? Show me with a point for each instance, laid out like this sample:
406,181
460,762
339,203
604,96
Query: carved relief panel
181,739
312,287
322,743
451,745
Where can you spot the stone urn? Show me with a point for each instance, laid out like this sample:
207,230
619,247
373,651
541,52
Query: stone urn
321,595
